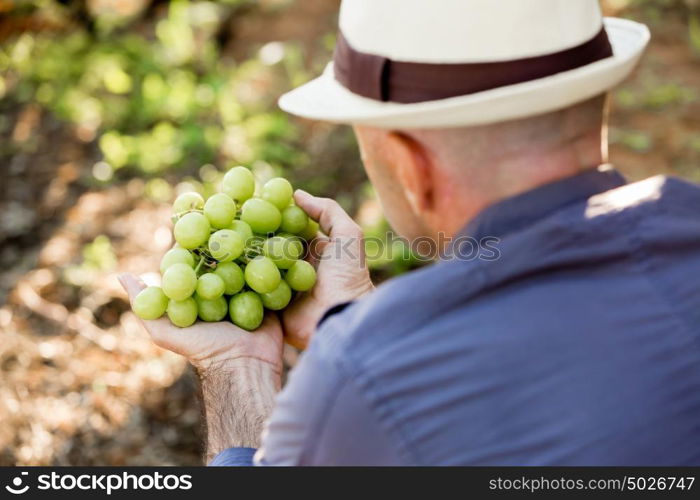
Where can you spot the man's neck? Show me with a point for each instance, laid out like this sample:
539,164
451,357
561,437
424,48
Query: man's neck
516,174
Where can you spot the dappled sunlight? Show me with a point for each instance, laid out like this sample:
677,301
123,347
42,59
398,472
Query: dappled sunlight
91,119
645,191
77,362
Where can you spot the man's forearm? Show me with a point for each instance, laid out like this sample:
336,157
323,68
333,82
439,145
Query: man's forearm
237,399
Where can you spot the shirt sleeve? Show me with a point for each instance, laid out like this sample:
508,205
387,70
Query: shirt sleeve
322,418
234,457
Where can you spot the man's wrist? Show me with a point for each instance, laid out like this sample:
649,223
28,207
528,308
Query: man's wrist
231,362
237,398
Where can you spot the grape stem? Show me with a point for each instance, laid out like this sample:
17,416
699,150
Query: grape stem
176,217
199,265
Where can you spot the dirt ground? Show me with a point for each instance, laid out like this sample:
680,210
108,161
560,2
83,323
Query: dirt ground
81,382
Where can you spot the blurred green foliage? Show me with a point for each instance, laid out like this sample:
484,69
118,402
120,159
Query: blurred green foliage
97,256
153,87
161,97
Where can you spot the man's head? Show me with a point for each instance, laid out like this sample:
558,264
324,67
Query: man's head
486,100
433,181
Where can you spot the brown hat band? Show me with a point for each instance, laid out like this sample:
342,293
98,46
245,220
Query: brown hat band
382,79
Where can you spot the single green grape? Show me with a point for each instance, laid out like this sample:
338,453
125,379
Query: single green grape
177,255
262,275
246,310
188,201
239,184
277,191
232,275
301,276
282,251
243,229
310,231
278,298
179,281
220,209
192,230
294,220
226,245
182,313
211,310
150,303
210,286
295,243
262,216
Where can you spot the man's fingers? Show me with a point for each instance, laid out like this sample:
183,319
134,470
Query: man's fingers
160,329
270,321
334,221
316,248
132,284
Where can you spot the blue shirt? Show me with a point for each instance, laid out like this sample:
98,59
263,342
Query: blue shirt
578,345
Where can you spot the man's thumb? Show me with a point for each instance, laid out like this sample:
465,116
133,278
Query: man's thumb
132,284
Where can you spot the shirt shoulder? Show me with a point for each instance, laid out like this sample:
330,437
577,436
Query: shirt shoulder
397,305
444,345
608,227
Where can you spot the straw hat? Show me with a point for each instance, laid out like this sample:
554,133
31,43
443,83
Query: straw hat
448,63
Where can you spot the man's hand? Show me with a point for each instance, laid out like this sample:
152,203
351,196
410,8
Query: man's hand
342,274
213,345
240,372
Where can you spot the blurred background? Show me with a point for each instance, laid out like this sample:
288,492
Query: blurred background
108,108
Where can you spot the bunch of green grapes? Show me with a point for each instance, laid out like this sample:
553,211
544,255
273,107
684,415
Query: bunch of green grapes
237,254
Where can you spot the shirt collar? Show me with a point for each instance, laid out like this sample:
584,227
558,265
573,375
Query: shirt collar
524,209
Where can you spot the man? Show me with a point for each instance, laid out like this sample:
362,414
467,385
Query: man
578,345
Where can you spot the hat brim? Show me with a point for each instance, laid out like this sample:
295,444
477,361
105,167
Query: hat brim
325,99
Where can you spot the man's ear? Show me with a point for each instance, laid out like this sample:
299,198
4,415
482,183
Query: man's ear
413,168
